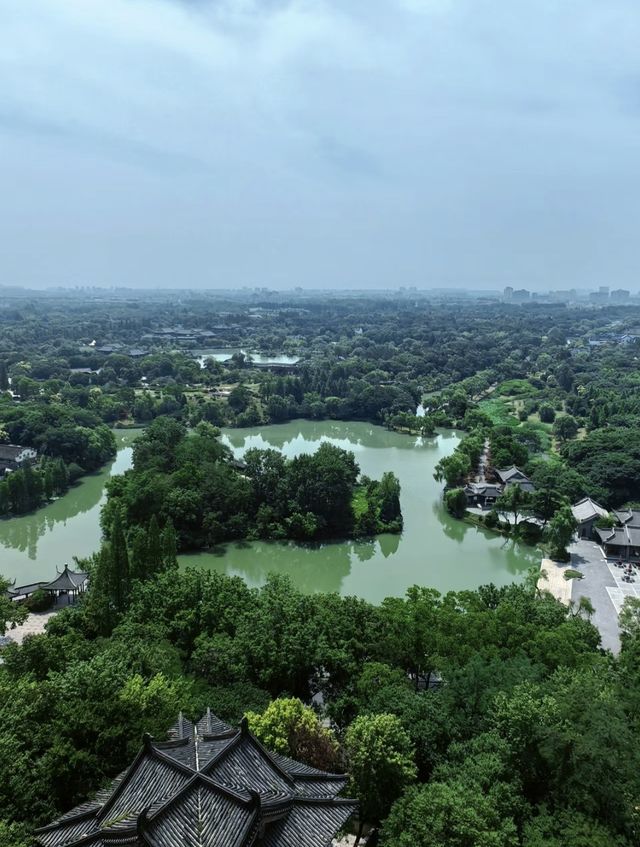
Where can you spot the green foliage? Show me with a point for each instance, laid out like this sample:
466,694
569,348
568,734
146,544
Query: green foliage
456,814
514,500
565,428
547,413
609,461
570,573
455,501
39,601
559,532
381,763
453,469
190,485
11,613
289,727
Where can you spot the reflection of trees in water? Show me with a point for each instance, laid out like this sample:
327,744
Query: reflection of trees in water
346,434
23,533
311,567
389,543
364,549
452,527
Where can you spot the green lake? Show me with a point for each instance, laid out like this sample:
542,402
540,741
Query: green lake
32,546
433,549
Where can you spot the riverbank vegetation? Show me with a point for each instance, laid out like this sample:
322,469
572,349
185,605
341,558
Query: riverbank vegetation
492,710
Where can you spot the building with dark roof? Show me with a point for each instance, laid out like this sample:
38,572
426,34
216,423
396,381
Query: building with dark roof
67,582
622,541
482,494
586,513
208,785
14,456
514,476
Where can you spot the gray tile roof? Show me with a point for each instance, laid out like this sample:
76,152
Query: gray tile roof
208,785
587,509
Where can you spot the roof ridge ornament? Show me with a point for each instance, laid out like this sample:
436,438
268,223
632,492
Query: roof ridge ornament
147,742
244,725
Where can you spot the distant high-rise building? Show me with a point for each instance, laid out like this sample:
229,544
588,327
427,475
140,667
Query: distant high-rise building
508,293
521,295
604,289
620,294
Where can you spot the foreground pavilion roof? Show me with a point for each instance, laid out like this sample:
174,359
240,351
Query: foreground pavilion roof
209,785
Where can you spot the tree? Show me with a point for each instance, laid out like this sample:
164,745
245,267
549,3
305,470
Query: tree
565,428
389,495
629,618
559,532
452,469
11,613
289,727
547,413
456,814
513,499
545,502
4,377
456,502
381,764
169,542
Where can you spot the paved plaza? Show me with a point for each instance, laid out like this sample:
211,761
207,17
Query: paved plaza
602,583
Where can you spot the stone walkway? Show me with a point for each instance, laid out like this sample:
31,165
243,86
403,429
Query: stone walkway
34,625
553,581
599,584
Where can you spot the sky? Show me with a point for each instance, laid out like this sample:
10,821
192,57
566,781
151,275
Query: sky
320,143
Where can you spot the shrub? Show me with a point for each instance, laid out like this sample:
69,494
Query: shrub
39,601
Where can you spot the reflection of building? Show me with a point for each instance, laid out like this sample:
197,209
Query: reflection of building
209,785
587,512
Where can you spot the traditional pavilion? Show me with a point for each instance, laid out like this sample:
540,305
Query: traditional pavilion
209,785
67,583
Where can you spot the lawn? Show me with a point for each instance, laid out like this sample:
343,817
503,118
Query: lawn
500,411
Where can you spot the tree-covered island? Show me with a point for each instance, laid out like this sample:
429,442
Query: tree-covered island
191,481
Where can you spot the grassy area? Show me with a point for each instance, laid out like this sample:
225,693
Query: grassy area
513,387
500,411
359,502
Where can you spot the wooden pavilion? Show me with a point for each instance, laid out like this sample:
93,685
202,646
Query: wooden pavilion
209,785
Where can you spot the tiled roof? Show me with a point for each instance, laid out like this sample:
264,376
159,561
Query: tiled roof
587,509
208,785
68,580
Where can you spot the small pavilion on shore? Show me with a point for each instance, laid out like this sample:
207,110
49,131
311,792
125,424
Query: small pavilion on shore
67,584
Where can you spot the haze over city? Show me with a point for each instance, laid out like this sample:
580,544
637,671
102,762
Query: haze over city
427,143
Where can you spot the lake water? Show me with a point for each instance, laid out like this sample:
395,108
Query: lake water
223,354
433,550
32,546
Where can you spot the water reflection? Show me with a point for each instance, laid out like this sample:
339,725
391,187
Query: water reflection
32,545
434,549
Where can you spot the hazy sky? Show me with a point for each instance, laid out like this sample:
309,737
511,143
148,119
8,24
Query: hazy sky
350,143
